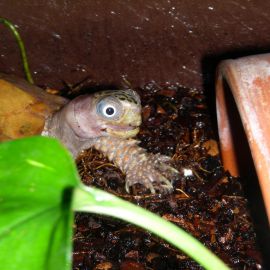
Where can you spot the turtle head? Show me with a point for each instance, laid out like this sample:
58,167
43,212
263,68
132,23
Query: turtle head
106,113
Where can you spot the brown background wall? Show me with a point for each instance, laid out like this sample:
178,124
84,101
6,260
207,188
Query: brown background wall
140,40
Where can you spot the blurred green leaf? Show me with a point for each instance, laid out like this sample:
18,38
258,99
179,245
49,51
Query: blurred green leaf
37,176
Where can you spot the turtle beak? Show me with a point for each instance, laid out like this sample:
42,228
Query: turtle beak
122,132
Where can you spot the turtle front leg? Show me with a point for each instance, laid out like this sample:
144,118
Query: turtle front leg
152,171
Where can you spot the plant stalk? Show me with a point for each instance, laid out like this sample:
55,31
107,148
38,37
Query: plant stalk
16,34
87,199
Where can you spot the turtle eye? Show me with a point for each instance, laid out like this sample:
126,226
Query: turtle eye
109,108
109,111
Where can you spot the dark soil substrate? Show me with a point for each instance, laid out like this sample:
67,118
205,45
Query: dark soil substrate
207,201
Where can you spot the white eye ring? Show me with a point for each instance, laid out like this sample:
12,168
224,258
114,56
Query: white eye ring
109,110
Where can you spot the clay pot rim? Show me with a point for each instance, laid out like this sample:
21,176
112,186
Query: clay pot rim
240,76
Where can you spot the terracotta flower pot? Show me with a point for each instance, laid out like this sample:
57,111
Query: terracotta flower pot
245,82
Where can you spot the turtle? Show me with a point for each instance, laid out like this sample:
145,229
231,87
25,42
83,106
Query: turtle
106,120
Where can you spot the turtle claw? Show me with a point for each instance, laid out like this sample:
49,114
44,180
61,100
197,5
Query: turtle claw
167,186
148,185
153,173
127,187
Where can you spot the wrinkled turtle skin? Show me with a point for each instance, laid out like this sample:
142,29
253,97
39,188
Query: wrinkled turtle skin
106,120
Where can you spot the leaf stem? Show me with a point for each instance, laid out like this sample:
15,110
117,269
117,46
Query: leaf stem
87,199
16,34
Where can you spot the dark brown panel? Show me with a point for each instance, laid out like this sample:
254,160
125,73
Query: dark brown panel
165,41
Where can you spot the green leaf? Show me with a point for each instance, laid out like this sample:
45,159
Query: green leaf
38,179
37,176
